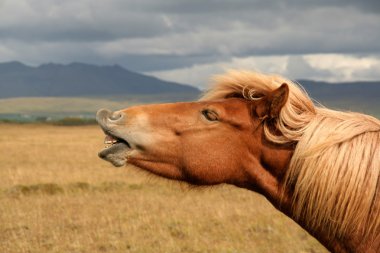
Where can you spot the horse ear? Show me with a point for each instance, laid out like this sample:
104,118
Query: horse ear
271,104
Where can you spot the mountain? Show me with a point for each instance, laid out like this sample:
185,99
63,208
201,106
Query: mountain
83,88
79,79
85,80
348,90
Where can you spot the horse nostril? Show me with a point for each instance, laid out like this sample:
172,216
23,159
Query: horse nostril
104,115
116,116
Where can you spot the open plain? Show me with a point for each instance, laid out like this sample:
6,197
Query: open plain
56,195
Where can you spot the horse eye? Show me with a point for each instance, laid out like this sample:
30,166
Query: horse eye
210,115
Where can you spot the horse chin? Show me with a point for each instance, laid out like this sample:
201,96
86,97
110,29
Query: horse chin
115,154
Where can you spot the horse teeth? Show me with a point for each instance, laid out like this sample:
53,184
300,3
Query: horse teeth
110,141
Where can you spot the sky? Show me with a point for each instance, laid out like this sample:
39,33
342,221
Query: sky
189,41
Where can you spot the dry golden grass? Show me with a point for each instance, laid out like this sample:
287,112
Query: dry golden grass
54,105
56,195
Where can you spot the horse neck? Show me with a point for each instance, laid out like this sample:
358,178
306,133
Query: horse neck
268,172
266,175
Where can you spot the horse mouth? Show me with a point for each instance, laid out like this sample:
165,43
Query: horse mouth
111,140
115,150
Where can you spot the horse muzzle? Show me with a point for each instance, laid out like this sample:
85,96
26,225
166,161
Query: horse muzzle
117,146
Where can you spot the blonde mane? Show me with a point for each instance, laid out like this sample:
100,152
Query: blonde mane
334,171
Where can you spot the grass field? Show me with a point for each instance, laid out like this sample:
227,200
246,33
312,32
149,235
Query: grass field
56,195
71,106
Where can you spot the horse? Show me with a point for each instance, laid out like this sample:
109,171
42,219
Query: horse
262,132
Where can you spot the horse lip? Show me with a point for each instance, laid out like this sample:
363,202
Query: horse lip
116,154
101,116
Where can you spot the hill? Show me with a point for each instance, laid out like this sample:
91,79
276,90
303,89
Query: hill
57,90
358,96
78,80
326,91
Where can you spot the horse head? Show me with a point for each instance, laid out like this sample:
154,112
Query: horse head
203,143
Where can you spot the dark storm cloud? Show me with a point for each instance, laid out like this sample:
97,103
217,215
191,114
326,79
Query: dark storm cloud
108,20
150,35
222,6
163,62
76,23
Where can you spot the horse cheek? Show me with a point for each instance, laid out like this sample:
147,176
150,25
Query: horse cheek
203,165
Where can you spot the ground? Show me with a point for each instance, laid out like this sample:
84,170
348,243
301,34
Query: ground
56,195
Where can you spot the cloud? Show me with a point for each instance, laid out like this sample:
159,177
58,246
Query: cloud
76,20
157,35
346,67
299,68
324,67
201,74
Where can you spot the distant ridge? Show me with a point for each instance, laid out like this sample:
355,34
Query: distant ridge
117,83
79,79
326,91
83,88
